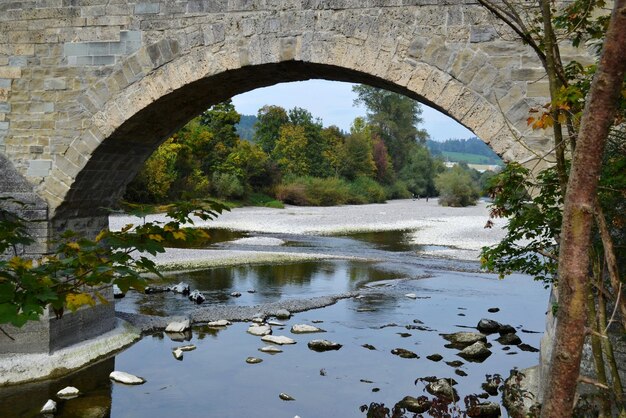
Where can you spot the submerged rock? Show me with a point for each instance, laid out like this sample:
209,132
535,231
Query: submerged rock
253,360
506,329
442,389
404,334
454,363
278,339
270,349
117,292
401,352
484,410
181,288
305,329
463,339
435,357
68,392
415,405
177,353
286,397
126,378
529,348
476,352
218,323
323,345
259,330
493,310
149,290
369,346
488,326
235,294
509,339
460,372
178,326
197,297
50,407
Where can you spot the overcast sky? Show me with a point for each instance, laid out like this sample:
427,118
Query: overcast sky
332,101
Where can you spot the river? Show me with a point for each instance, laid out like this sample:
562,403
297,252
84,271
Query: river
381,267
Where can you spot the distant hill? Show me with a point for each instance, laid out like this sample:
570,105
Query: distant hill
471,151
245,127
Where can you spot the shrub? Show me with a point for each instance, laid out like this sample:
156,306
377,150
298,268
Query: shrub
456,188
227,185
366,190
293,193
328,191
398,190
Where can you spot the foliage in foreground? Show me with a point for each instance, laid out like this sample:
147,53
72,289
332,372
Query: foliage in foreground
78,269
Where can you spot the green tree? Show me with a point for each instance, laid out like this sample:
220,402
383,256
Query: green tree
394,117
456,188
267,128
290,151
419,171
358,158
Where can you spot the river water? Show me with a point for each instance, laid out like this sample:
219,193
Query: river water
214,380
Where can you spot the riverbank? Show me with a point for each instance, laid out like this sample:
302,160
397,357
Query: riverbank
458,233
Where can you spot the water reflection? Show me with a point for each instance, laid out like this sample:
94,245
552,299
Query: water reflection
270,283
25,401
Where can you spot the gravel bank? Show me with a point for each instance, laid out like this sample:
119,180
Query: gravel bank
460,230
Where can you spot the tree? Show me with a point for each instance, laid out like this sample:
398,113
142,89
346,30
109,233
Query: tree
359,159
587,130
290,151
382,160
267,128
419,172
456,188
394,118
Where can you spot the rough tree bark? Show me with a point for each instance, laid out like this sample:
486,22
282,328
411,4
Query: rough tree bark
578,212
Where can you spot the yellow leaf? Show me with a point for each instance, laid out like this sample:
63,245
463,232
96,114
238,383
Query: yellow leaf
73,245
203,233
168,228
101,235
156,237
179,235
76,300
20,263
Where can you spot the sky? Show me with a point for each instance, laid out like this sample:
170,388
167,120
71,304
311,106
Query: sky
332,101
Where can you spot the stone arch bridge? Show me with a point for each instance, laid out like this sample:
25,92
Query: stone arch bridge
90,88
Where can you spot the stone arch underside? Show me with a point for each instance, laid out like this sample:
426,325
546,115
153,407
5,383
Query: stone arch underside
159,88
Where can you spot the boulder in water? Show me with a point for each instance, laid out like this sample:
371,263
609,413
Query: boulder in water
126,378
323,345
477,352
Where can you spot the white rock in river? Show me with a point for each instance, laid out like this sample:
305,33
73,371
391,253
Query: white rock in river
305,329
253,360
282,314
178,354
259,330
286,397
117,292
411,295
188,347
276,323
219,323
182,288
126,378
68,392
50,407
278,339
235,294
258,320
178,326
270,349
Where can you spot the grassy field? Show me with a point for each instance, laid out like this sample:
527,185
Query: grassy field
470,158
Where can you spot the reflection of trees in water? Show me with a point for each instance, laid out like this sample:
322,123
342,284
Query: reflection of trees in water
277,275
94,383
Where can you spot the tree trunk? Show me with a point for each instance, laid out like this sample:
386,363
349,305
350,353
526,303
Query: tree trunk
578,217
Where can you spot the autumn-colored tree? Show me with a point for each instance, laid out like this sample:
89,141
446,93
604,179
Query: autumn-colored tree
359,158
290,151
384,166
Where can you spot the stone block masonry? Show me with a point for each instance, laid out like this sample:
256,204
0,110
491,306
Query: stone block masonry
90,88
